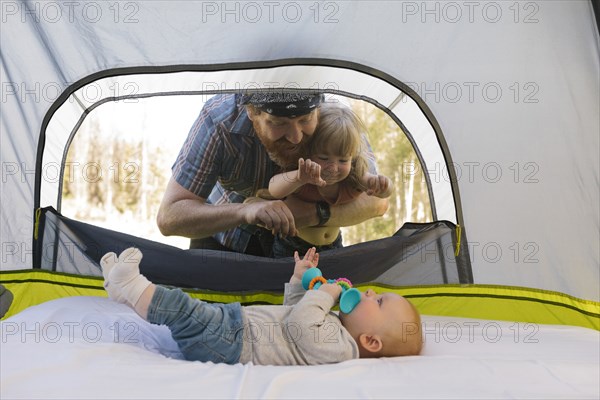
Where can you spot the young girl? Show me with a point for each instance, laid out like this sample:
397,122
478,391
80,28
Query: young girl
336,173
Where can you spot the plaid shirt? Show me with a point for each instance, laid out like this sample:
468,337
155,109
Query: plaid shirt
223,161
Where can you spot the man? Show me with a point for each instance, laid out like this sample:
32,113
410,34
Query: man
233,149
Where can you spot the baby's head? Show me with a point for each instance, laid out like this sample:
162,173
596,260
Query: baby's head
384,325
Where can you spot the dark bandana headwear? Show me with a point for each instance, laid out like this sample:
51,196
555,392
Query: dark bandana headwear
284,104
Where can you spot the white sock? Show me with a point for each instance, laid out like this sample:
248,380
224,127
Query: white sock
108,262
125,275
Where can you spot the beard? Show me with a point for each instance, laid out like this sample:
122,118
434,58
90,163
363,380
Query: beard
282,152
285,154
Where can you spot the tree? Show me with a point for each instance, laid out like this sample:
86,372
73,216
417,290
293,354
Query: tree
397,160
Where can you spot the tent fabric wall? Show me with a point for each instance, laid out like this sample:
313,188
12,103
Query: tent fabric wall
513,85
417,254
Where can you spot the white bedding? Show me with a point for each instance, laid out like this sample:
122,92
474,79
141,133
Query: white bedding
91,347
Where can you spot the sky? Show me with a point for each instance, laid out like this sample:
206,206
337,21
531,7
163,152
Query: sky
166,121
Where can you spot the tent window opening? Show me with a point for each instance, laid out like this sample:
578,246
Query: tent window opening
115,136
119,162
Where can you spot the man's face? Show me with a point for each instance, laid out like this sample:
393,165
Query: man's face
284,138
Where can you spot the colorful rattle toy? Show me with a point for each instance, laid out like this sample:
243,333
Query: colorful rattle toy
313,279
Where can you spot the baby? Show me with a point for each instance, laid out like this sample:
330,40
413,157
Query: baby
302,331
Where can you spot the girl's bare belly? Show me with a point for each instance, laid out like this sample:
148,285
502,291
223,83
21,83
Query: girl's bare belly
319,236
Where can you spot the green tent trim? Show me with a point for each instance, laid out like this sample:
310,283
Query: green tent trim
491,302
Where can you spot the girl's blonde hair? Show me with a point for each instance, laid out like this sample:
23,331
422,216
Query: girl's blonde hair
340,132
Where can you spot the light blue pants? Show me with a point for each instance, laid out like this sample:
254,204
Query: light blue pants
203,331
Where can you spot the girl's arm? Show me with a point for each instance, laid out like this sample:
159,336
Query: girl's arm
284,184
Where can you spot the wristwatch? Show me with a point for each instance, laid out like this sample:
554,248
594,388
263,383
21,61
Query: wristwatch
323,212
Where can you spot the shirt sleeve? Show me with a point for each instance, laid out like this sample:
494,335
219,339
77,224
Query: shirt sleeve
197,167
318,334
369,155
293,293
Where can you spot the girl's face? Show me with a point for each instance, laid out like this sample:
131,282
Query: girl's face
334,168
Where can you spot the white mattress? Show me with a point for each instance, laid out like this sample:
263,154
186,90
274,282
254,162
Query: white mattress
91,347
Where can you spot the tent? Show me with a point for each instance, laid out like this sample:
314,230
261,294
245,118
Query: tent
500,101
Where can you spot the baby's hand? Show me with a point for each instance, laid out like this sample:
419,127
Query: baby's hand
332,289
310,172
310,260
379,185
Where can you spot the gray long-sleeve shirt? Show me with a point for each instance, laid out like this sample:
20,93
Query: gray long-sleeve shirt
303,331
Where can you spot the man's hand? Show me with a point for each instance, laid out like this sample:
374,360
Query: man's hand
309,172
333,289
310,260
273,215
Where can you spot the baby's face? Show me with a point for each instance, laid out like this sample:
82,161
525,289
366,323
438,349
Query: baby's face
377,312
